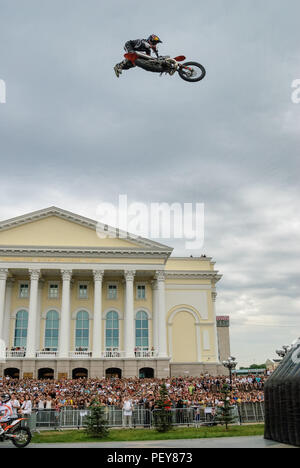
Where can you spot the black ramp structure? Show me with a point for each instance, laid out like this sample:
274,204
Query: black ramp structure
282,400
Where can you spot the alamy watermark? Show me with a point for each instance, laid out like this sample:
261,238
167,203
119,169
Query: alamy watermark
2,92
183,221
296,92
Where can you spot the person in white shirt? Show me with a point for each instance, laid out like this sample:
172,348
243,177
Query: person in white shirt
41,404
127,413
48,403
26,407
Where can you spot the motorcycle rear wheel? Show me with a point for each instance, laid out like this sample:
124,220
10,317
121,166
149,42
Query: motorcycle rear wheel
192,72
23,437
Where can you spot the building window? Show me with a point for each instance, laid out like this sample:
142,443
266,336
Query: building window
83,291
20,340
112,291
53,291
24,290
112,329
141,291
142,329
51,330
82,331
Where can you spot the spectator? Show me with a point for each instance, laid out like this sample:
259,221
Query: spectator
127,413
184,392
26,408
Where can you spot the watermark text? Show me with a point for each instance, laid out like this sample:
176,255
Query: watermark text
296,92
183,221
2,92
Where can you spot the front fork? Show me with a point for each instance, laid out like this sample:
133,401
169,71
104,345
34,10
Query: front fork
175,65
178,66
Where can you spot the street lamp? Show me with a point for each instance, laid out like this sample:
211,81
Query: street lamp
230,364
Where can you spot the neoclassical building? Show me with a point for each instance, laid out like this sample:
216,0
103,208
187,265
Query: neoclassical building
75,303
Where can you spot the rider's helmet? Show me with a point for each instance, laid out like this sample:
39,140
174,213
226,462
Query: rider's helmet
154,40
5,398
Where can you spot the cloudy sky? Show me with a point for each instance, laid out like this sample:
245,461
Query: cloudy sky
73,135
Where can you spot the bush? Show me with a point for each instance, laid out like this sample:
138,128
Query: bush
224,414
162,413
96,423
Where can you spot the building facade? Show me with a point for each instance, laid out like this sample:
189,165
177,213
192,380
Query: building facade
77,300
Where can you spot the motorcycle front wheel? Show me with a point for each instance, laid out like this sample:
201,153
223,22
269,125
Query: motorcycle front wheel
192,72
22,437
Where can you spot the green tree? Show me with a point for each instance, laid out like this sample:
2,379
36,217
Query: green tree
162,413
224,415
96,423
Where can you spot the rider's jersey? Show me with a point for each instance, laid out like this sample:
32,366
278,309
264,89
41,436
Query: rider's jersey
6,411
141,45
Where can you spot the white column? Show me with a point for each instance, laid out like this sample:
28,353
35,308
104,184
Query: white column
155,315
198,340
3,278
97,332
38,318
64,332
214,298
33,306
7,312
129,332
162,329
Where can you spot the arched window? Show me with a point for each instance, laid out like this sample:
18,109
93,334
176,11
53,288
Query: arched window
113,373
80,373
51,330
20,340
82,331
142,330
112,330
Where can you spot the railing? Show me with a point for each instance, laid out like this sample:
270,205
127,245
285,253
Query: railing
139,353
46,354
16,354
252,412
113,353
80,354
145,353
141,417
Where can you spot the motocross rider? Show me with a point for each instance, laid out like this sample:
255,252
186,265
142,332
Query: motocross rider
139,45
6,411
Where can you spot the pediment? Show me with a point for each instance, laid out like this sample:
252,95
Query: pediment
54,227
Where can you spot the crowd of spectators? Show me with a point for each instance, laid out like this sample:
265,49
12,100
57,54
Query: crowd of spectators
184,392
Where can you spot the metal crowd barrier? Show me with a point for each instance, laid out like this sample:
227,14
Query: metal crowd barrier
141,417
252,412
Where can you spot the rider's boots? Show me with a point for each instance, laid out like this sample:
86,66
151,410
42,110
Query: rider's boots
118,69
125,65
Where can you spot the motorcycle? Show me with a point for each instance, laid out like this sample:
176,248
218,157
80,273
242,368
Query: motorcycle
19,435
188,71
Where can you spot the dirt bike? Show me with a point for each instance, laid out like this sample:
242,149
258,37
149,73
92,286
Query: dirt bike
188,71
19,435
